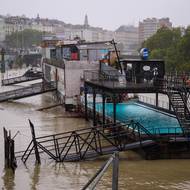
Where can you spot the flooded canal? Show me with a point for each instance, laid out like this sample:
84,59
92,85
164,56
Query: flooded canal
134,172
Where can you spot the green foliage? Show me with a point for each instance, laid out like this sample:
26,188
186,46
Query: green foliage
171,46
24,39
164,38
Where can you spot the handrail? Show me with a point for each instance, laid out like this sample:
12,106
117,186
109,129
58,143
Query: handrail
85,142
145,130
150,129
19,79
92,183
185,99
178,86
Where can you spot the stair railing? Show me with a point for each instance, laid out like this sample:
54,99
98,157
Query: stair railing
93,182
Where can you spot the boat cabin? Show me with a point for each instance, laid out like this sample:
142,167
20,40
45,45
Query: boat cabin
139,71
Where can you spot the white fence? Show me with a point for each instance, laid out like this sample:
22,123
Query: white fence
161,103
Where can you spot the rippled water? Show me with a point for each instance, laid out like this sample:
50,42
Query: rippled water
153,120
134,172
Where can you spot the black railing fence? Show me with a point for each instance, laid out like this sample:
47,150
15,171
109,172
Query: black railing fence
95,141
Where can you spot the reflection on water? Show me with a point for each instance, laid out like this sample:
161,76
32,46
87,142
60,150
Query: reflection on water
8,179
135,173
35,177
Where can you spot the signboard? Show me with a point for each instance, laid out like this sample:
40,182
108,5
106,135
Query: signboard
144,53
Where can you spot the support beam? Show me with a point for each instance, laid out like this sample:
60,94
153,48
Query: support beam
156,99
9,150
94,108
85,103
38,161
6,148
170,105
56,79
114,109
103,107
186,100
2,53
115,171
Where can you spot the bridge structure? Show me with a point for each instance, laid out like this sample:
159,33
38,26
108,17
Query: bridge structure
89,143
20,79
26,77
23,92
92,142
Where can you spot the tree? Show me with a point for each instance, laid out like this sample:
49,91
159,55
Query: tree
24,39
184,45
171,46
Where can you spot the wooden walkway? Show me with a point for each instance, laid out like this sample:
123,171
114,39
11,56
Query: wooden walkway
28,91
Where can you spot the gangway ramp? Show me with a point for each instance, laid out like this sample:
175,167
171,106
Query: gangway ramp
21,79
110,150
89,143
34,89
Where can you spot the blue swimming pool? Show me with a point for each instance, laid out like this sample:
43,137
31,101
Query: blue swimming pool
153,120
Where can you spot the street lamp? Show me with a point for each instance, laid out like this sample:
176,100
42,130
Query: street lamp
2,52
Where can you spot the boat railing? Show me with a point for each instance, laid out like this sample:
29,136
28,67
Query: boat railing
152,101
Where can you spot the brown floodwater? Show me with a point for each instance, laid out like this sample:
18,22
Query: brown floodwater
134,172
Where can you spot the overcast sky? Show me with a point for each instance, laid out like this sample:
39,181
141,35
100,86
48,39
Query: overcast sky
109,14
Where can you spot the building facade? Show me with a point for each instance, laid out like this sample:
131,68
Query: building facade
2,30
68,64
127,36
149,27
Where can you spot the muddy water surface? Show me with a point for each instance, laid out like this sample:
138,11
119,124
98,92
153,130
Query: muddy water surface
134,172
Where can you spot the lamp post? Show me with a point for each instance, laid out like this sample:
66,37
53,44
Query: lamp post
2,52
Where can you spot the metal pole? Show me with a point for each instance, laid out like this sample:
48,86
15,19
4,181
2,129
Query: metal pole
115,171
114,109
185,95
35,143
103,107
56,79
2,64
94,108
118,59
6,147
156,99
12,155
85,102
92,183
170,106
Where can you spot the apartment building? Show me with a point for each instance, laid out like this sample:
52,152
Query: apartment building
149,27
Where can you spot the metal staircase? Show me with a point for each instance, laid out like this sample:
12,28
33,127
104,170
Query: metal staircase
179,102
